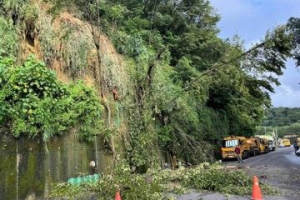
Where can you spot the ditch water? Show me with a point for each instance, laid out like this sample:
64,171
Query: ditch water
28,168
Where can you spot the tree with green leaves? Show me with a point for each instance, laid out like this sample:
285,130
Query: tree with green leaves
195,85
294,28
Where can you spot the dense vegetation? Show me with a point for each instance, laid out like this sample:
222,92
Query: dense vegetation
286,121
282,116
196,86
188,87
35,103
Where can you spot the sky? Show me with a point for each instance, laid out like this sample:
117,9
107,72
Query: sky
251,19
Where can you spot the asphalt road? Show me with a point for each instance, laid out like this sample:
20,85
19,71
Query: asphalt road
283,157
280,169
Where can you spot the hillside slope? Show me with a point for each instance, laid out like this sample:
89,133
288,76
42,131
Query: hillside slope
163,76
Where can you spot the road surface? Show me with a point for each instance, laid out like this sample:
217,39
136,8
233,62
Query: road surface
280,169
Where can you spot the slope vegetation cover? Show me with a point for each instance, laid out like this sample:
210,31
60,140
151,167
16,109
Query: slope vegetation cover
178,84
186,84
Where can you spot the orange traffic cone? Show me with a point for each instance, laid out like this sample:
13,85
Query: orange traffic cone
256,192
118,196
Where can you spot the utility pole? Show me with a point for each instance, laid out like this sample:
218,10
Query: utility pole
276,136
265,130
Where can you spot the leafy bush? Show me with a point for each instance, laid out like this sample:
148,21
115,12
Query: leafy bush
36,104
230,182
132,186
235,182
8,39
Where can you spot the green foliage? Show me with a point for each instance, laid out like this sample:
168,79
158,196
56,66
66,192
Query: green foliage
14,9
293,129
284,120
48,36
36,104
269,56
87,110
16,17
236,181
294,28
214,95
185,72
132,186
187,84
9,38
156,184
141,150
77,47
281,116
229,182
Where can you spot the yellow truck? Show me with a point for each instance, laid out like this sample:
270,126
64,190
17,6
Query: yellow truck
261,145
298,141
286,142
270,140
229,143
264,145
265,142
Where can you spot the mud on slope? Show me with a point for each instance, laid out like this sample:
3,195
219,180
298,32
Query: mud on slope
66,45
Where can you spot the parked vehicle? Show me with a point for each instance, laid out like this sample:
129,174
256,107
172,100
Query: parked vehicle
271,141
298,141
260,146
286,142
272,145
229,143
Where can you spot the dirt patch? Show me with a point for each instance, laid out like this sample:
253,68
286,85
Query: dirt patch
50,45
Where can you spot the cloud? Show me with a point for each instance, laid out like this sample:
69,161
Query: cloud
286,96
252,18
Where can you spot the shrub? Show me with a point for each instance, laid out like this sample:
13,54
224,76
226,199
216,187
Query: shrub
36,104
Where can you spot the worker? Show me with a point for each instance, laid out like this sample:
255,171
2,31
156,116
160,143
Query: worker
237,150
296,147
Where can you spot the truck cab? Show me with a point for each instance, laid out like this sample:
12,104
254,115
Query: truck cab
229,143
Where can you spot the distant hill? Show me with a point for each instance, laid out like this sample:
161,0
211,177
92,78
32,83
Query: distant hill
282,116
286,121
